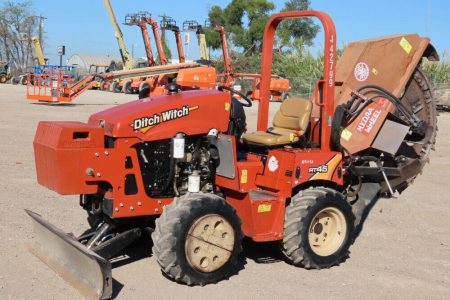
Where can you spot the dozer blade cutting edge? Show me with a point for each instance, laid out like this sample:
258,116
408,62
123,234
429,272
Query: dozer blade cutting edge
86,271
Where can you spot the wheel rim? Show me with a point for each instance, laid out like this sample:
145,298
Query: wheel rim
209,243
327,231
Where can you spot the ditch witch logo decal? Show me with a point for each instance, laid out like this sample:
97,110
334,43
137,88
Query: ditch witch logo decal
145,123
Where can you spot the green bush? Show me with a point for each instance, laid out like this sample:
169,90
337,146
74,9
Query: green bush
438,71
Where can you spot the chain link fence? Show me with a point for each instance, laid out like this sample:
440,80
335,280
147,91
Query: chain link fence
304,87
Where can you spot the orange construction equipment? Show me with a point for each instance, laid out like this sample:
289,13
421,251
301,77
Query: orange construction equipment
183,166
278,86
140,20
56,86
170,24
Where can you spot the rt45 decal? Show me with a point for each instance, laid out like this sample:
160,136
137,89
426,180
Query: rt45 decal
319,169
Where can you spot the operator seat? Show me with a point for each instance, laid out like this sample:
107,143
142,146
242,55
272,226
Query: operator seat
290,122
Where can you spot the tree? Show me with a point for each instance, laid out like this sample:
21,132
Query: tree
166,49
244,21
17,26
299,32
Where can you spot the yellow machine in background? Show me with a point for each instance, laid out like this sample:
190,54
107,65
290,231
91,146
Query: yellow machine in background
5,73
126,56
38,50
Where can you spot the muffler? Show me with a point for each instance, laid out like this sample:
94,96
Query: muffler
85,270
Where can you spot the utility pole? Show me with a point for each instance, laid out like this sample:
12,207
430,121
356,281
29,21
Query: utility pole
40,29
163,29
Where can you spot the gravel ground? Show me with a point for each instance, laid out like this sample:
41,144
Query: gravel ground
402,253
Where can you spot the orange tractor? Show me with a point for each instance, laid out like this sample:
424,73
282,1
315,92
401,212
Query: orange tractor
182,166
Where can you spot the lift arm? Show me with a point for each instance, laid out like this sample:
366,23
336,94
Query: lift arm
38,49
138,20
170,24
226,55
158,40
181,56
202,46
126,57
192,25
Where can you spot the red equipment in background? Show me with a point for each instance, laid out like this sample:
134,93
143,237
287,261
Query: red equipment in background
279,86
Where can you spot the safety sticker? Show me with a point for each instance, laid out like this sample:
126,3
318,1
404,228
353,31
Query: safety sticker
227,106
346,134
244,176
374,71
273,164
361,71
264,207
405,45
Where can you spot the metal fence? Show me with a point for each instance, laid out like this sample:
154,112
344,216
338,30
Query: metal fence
304,87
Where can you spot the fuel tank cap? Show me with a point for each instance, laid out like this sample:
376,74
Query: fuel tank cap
173,88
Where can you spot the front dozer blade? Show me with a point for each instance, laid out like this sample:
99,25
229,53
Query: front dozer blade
86,271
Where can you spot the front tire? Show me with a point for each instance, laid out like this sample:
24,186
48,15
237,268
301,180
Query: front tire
198,239
318,228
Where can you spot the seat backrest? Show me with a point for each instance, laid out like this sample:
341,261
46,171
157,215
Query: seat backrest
294,113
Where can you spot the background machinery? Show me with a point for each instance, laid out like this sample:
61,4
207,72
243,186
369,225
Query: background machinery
54,86
39,66
279,86
5,72
57,85
133,85
183,166
194,26
140,20
98,69
167,23
126,56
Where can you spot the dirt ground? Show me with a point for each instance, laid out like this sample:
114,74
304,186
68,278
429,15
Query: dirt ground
403,251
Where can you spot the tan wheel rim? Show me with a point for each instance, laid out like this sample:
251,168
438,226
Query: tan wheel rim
327,231
209,243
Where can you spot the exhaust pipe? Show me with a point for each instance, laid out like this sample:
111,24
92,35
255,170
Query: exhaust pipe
85,270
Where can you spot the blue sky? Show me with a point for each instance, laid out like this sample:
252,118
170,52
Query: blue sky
83,26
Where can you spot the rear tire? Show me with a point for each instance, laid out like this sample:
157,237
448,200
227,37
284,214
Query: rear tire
115,87
23,80
144,90
318,228
127,87
198,239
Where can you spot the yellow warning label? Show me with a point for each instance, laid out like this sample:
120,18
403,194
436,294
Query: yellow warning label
244,176
405,45
291,137
374,71
227,106
346,134
264,208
